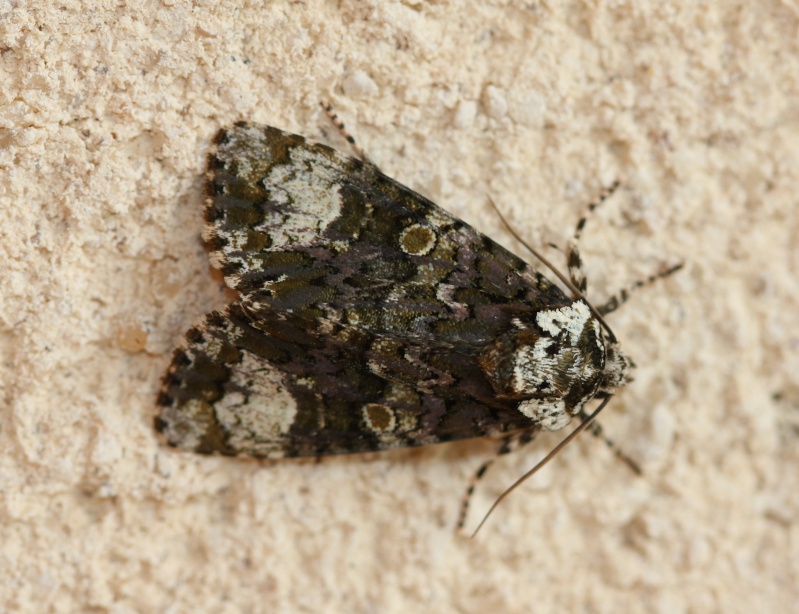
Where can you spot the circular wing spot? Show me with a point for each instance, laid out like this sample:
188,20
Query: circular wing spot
417,240
379,418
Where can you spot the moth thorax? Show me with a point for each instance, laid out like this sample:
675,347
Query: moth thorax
551,366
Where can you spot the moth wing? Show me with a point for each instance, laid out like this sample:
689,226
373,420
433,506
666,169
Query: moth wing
297,227
276,390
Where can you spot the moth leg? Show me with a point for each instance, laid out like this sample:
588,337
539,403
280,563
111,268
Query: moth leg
339,125
573,260
621,297
509,443
597,431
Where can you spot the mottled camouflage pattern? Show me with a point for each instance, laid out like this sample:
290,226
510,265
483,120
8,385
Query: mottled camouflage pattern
368,317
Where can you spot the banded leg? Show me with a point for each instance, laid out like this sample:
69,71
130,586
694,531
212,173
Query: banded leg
334,119
510,443
575,263
597,431
621,297
573,260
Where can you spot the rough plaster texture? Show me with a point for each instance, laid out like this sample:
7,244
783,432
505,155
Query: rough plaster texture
106,113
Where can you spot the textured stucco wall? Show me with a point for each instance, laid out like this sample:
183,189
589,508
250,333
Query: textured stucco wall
106,113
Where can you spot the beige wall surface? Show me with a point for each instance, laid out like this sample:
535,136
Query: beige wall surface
107,111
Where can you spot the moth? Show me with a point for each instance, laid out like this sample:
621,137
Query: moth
368,317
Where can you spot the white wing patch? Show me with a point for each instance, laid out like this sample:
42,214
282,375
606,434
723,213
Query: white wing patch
571,318
257,402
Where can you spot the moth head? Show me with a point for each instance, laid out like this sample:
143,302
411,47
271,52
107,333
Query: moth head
553,362
617,368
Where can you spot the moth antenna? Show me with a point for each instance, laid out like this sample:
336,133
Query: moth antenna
551,267
583,425
510,443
